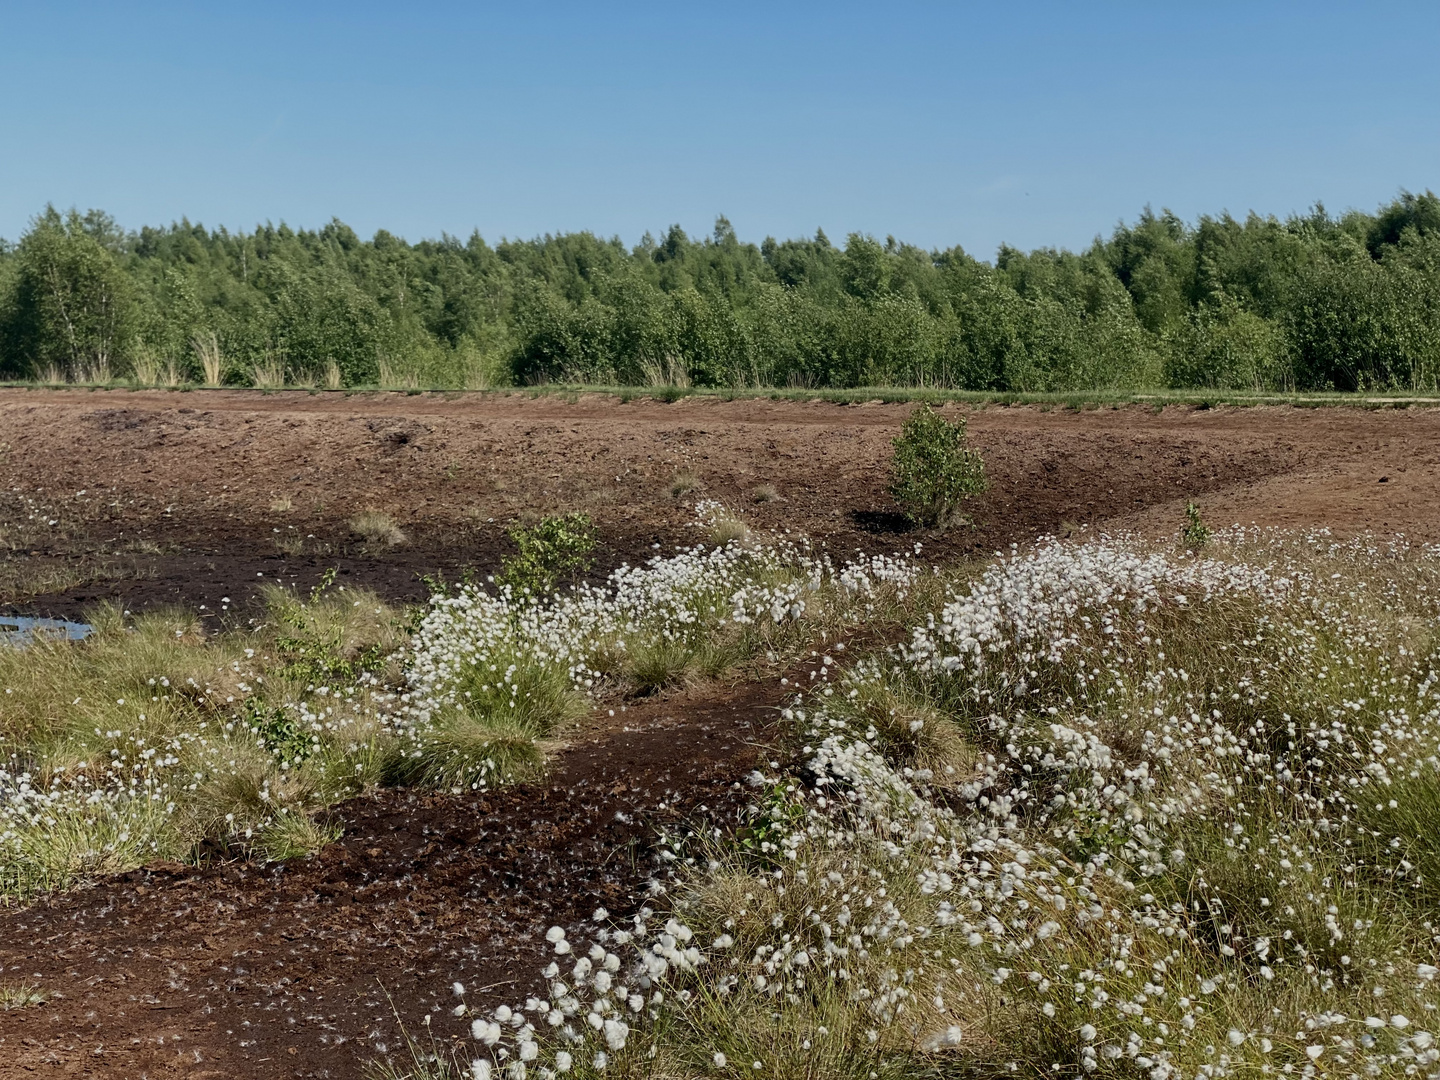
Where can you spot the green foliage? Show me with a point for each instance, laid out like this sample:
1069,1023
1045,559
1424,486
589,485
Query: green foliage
778,813
70,309
1196,533
472,752
319,642
553,550
1420,213
1357,324
1222,346
278,729
290,835
1309,303
934,470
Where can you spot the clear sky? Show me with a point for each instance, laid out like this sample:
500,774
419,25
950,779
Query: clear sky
1029,123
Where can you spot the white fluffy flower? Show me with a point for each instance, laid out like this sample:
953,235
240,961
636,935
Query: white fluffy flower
941,1040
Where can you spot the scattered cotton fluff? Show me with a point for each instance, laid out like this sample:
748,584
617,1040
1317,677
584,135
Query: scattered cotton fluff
497,655
1184,795
476,655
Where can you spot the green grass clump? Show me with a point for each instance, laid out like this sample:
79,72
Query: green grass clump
466,752
290,835
378,528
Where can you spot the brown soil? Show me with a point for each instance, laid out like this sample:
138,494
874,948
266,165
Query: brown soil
283,971
178,497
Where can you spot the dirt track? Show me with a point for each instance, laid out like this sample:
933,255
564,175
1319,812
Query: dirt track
242,972
169,497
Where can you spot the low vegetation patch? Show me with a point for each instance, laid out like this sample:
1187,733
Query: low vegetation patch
491,674
682,484
764,493
377,527
151,740
1108,810
722,525
21,996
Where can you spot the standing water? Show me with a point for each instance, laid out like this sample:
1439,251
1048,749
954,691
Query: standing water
22,629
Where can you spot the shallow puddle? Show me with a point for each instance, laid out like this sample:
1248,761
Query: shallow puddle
22,629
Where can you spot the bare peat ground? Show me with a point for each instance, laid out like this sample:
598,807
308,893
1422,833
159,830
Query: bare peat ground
165,497
299,969
242,971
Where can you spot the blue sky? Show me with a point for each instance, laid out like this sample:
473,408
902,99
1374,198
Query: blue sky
1029,123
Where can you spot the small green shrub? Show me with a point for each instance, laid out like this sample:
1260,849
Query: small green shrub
761,839
556,549
335,636
934,470
1197,533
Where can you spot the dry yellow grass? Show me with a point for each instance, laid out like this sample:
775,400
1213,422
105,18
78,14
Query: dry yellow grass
682,483
377,527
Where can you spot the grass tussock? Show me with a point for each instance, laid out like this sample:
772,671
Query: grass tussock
682,483
727,529
396,378
291,835
662,662
378,528
469,752
206,348
723,526
764,493
21,996
267,375
290,543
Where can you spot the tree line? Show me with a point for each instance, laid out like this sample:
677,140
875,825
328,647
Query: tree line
1348,302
